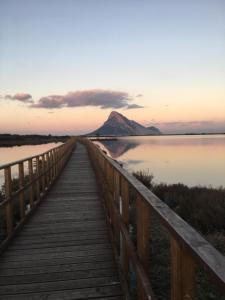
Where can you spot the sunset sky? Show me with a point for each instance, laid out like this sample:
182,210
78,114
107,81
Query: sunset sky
66,64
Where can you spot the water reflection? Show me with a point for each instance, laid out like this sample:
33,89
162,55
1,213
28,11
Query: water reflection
193,160
117,148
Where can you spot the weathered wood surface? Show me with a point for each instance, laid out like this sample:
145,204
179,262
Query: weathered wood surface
64,251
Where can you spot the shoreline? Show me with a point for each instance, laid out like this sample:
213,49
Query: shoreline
151,135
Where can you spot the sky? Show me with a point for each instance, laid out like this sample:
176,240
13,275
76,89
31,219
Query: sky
66,64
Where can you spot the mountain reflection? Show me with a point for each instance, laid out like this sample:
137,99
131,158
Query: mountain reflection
192,160
117,148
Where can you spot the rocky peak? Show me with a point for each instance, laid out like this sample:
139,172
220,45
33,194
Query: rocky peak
117,124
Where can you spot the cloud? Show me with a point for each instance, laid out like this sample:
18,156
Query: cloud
139,95
191,126
96,97
23,97
133,106
49,102
185,123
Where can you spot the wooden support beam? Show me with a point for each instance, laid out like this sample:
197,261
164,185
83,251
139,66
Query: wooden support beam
37,176
9,206
116,203
21,195
182,273
143,221
31,189
47,169
43,171
125,218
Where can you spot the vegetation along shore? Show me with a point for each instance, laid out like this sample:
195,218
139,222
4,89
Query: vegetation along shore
204,209
9,140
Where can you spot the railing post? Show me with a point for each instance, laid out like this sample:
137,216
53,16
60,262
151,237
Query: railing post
125,218
143,222
30,169
109,196
47,169
116,205
37,176
59,159
43,173
104,182
58,162
182,273
9,207
50,166
54,163
21,195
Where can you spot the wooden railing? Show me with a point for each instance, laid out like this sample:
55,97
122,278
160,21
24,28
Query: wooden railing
22,194
188,248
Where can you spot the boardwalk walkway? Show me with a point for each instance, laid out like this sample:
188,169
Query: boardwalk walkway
63,252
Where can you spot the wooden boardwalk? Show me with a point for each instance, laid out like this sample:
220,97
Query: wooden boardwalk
63,252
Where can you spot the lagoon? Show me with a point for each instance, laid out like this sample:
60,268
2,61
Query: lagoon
189,159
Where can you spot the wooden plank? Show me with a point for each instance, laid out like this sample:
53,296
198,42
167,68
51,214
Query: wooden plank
70,253
63,228
83,266
58,261
61,250
58,285
103,292
57,276
64,232
57,244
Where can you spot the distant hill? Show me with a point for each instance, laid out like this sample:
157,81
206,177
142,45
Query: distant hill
119,125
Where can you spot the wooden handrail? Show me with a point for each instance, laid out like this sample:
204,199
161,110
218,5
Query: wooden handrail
11,164
19,204
188,247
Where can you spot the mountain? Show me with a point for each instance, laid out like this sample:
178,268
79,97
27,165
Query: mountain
117,125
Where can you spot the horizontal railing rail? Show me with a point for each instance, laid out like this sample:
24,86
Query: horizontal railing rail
23,192
188,248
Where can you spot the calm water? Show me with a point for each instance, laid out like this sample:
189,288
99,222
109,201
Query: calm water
192,160
10,154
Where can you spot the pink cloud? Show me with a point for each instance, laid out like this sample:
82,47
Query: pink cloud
23,97
96,97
